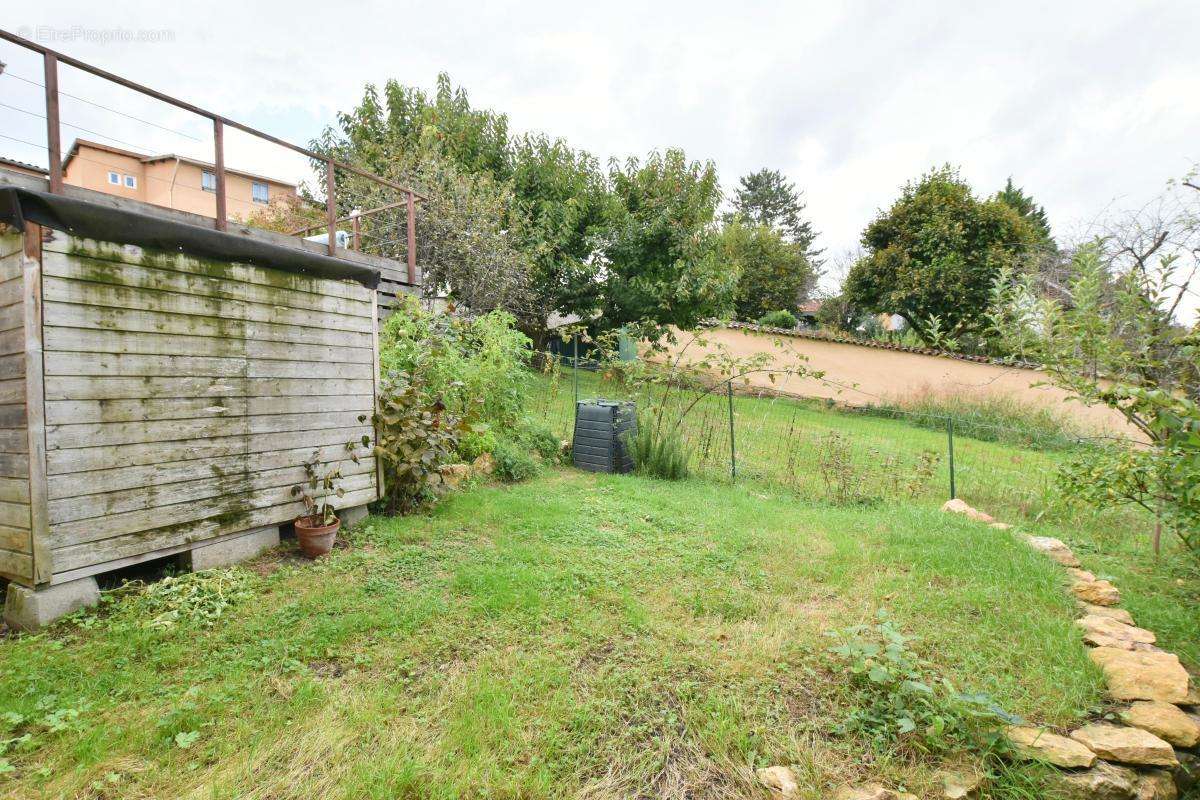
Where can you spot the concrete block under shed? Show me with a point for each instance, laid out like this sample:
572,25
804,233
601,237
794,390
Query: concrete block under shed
231,550
29,609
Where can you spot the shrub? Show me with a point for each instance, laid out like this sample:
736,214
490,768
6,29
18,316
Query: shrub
846,483
779,319
472,444
414,436
540,439
477,366
899,700
659,450
513,463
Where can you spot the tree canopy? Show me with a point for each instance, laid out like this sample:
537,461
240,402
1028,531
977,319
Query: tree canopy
774,274
661,263
1031,212
634,242
933,256
767,198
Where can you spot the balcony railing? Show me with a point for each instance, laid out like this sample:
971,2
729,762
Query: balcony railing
52,59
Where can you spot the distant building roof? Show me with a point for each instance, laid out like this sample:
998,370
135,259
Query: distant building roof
145,159
12,162
810,306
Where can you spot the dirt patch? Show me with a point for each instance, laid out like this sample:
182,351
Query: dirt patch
328,668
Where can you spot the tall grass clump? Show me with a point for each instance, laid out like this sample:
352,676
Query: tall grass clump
988,418
659,451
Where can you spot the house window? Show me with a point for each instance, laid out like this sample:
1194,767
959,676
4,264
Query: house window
114,179
259,192
208,181
130,182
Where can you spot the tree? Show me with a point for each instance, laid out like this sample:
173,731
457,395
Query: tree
660,262
562,211
765,197
934,255
409,120
555,207
1114,339
1016,199
465,248
774,274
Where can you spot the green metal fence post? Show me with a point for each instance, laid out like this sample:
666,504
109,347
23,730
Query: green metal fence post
950,448
732,447
576,363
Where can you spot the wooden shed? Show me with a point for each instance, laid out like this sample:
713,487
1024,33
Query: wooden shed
158,401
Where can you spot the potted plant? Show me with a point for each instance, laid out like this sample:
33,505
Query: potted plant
317,528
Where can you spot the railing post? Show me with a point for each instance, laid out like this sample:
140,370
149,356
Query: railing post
331,205
413,277
357,245
219,147
53,136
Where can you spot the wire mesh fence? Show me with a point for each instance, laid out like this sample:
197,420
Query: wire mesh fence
817,449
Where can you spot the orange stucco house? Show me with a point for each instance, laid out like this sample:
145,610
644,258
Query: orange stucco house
169,180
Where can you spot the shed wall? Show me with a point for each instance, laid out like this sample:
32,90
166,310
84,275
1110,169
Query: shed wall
182,397
16,546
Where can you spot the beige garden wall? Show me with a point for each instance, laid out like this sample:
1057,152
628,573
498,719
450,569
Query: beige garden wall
861,375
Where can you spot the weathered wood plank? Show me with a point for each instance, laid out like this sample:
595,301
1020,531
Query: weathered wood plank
14,515
14,465
14,490
63,437
61,462
11,291
12,317
85,340
82,484
133,255
70,315
12,367
12,415
12,341
63,387
15,539
14,440
120,297
229,506
12,391
16,565
65,412
10,258
136,364
97,271
90,553
200,491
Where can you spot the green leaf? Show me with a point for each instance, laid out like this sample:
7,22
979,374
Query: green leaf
185,739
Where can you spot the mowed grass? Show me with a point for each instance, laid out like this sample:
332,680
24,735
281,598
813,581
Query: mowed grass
574,636
780,441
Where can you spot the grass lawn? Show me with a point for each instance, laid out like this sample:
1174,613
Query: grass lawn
578,636
572,636
780,442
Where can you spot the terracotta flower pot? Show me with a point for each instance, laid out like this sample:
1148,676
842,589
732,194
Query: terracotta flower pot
316,539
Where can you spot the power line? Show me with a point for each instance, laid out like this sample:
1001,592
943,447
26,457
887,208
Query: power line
79,128
106,108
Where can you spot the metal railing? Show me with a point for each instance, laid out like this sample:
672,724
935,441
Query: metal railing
52,59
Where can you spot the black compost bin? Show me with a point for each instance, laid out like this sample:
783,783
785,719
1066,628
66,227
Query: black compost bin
601,427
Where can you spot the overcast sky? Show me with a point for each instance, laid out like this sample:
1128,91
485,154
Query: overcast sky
1089,106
